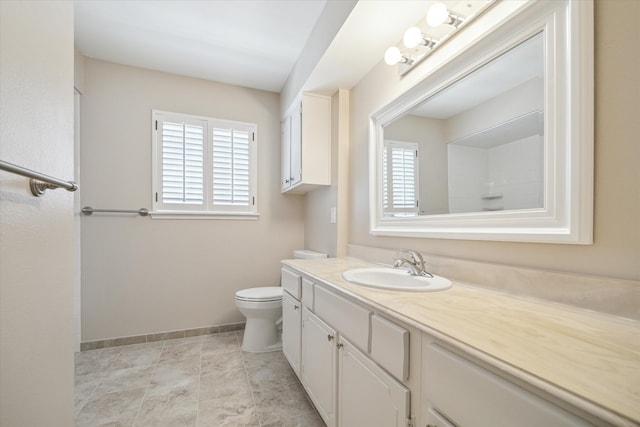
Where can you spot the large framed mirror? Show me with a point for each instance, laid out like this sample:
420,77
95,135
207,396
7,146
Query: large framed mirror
496,144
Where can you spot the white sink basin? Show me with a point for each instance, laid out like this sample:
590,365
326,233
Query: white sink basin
395,279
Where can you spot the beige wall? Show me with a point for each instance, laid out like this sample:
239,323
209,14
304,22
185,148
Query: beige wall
320,234
36,234
142,275
616,250
432,159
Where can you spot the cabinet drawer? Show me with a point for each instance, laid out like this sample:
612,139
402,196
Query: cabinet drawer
307,293
469,395
390,347
291,282
350,319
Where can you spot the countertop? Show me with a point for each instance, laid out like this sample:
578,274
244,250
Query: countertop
590,359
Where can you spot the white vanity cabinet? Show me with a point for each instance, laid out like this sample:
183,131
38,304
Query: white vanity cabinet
352,362
291,317
306,144
347,387
291,321
368,395
461,393
319,365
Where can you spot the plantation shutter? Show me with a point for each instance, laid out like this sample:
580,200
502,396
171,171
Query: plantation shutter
400,175
203,166
231,165
183,144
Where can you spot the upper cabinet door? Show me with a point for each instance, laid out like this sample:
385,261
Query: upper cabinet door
285,181
306,144
296,145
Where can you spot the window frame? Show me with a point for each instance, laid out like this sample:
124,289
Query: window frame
207,210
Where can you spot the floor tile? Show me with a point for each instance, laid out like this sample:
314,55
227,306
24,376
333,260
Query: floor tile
223,384
221,362
226,342
281,403
127,378
94,361
117,408
238,410
170,410
197,381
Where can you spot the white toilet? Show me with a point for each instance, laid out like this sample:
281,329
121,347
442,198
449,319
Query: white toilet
263,309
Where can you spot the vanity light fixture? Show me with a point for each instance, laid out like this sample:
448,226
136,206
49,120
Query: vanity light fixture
414,37
438,14
421,44
393,56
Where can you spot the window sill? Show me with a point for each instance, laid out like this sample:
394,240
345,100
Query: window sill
245,216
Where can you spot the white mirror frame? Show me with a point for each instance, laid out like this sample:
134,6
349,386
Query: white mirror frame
567,215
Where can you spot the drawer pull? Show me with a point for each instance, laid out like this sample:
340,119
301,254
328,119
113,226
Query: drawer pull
329,337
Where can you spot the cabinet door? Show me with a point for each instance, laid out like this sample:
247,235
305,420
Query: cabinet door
469,395
319,365
296,145
291,322
285,152
368,396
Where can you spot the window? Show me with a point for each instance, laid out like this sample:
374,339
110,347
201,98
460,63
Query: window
203,166
400,178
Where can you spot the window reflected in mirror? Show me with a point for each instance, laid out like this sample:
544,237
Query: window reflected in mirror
478,145
400,178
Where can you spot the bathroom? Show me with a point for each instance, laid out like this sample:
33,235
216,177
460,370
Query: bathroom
144,275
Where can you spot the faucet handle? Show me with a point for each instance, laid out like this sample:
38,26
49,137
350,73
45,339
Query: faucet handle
415,257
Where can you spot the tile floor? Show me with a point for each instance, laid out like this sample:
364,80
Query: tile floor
199,381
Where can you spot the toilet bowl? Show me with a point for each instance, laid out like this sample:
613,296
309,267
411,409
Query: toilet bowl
263,309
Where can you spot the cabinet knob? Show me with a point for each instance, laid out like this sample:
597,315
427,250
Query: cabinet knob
329,337
295,307
286,181
339,345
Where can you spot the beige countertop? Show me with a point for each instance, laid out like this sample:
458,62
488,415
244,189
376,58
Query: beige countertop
590,359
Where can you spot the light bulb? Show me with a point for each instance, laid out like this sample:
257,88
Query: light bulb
412,37
437,14
392,56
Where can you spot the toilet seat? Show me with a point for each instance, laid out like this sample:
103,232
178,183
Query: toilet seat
263,294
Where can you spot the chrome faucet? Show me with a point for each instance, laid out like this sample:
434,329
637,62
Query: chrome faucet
415,264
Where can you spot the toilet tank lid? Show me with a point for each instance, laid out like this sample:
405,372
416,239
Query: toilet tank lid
266,293
306,254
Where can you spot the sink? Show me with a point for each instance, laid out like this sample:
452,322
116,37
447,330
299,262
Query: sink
395,279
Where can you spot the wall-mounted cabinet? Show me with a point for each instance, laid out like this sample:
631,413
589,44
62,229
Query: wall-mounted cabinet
306,144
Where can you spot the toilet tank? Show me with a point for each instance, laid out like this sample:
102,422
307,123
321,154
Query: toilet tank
307,254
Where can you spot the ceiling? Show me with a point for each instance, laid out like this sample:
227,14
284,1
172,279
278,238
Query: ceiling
509,70
251,43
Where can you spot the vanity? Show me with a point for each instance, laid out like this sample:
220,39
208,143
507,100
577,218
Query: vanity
492,141
464,356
